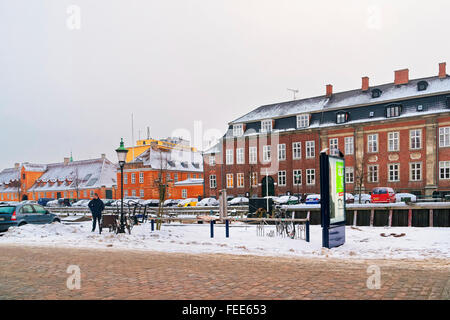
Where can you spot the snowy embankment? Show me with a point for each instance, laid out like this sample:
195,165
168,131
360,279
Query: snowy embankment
361,242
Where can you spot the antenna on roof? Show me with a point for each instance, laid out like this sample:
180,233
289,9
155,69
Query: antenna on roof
294,91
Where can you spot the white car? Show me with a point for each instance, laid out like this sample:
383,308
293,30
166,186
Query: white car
208,202
313,199
81,203
399,196
53,203
286,200
365,198
238,201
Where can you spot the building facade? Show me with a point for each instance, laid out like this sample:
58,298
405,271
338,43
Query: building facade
67,179
395,134
161,166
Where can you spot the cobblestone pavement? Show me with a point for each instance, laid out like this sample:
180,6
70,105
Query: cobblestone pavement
41,273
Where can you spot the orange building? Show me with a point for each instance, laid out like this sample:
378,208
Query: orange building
189,188
68,179
163,167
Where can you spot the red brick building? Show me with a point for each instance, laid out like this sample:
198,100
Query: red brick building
395,134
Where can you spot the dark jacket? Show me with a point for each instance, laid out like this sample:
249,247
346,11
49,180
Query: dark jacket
96,206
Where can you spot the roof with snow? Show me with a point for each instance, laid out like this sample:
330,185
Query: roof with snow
214,149
83,174
389,92
172,159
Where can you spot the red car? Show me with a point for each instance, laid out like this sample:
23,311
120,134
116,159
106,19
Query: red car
383,195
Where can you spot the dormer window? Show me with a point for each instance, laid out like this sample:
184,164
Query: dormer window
422,85
302,121
393,111
238,130
420,107
371,114
341,117
376,93
266,126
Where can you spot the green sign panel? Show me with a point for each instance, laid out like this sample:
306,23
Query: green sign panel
337,193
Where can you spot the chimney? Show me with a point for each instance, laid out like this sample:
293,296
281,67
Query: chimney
103,156
365,84
401,76
442,71
329,90
66,161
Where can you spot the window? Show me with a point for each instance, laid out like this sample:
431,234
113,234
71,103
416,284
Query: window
175,177
297,175
302,121
349,145
212,161
310,176
212,181
296,150
310,149
229,156
184,193
444,137
334,144
415,171
141,193
229,180
125,178
444,170
282,178
282,152
266,153
240,156
422,85
415,138
372,143
394,172
240,180
393,111
373,173
254,179
238,130
376,93
141,177
349,175
193,176
371,114
253,155
341,117
92,193
133,178
266,125
393,141
133,193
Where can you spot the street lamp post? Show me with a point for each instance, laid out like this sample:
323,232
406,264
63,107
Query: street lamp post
122,156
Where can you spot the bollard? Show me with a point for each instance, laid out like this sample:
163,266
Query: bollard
212,228
153,224
227,228
307,231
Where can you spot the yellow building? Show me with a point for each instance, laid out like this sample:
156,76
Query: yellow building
169,143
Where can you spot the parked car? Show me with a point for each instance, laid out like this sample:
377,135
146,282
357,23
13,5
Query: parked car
313,199
108,202
400,196
171,202
383,195
44,201
189,202
349,198
20,214
238,201
208,202
81,203
287,200
52,203
150,202
365,198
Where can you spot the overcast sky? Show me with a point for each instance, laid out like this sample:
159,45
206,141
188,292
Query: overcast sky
70,82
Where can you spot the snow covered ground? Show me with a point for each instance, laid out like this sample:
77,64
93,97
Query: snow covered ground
361,243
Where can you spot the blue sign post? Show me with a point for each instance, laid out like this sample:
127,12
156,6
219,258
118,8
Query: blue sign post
332,199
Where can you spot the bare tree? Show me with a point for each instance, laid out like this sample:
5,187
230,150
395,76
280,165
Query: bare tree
76,183
161,182
360,175
250,176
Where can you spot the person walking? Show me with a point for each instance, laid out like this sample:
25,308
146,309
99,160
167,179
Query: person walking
96,206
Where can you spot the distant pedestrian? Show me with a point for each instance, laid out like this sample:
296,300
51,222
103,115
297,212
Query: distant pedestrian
96,206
